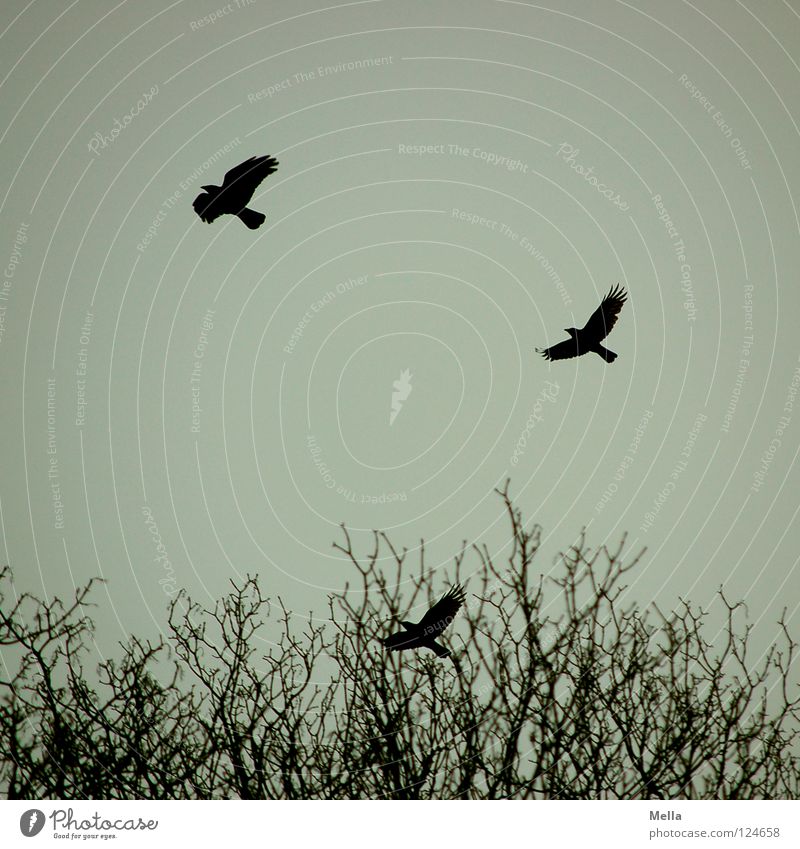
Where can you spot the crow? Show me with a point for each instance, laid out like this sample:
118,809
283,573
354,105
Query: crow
237,188
423,634
588,337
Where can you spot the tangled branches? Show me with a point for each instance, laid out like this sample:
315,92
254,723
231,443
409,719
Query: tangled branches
600,700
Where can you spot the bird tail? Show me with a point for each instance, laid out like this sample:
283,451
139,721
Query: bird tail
251,218
608,356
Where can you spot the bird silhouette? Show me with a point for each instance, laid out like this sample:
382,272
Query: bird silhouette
423,634
588,337
232,197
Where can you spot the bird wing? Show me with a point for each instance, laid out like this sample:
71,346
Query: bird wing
441,614
401,640
605,316
561,351
207,210
249,174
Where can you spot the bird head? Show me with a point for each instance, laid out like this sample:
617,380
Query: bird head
571,330
408,625
211,189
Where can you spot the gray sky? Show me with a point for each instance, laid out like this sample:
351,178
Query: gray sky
185,403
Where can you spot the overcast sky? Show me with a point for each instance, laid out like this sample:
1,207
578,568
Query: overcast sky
459,181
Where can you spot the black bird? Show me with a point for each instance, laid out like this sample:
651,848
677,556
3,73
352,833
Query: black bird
231,198
423,634
588,337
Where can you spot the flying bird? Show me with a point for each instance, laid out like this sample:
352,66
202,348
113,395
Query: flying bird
588,337
232,197
423,634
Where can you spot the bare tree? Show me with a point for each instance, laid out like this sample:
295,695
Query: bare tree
602,700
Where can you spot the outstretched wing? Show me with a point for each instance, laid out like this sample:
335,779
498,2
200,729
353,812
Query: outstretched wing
605,316
442,613
562,351
248,174
400,641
